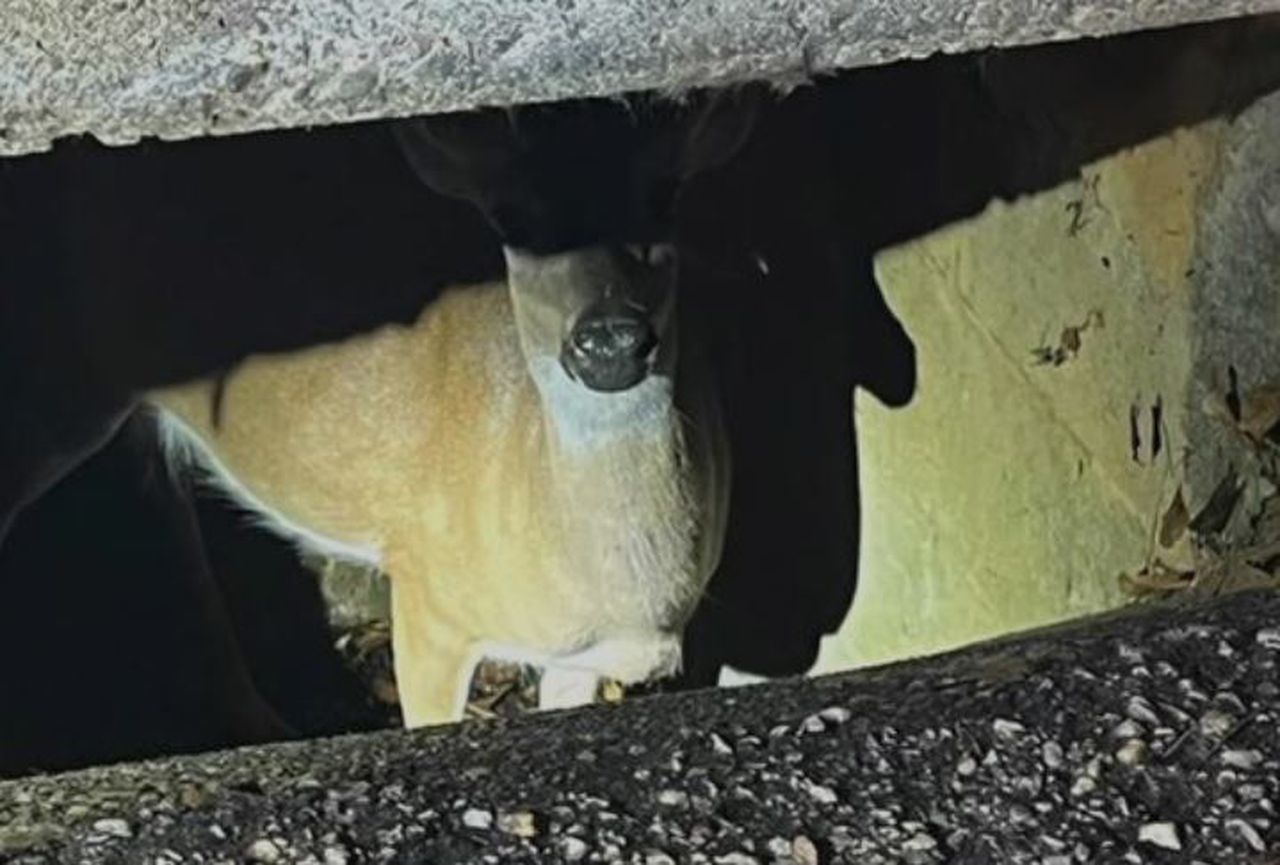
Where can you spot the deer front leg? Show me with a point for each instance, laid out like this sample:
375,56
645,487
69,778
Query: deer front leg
431,657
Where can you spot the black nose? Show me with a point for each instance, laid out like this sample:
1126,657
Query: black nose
609,347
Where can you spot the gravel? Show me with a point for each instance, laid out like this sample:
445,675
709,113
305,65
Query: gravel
1001,753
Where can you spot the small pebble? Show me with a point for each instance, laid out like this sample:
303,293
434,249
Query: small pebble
1248,834
967,766
335,856
1053,842
920,841
573,849
813,724
737,859
1126,729
824,795
477,818
779,848
1052,755
1139,709
1160,834
719,745
1242,759
673,798
1019,813
1228,702
1083,786
1269,638
658,859
835,714
1132,752
1216,723
518,823
803,851
113,826
1007,729
263,850
1251,792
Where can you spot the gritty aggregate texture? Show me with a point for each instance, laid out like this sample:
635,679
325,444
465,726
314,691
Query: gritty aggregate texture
1131,739
184,68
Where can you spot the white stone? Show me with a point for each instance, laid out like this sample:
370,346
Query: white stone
263,850
477,818
1161,835
113,826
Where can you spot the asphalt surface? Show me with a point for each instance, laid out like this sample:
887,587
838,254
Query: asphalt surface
1140,738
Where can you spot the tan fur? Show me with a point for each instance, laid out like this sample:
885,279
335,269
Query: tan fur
432,445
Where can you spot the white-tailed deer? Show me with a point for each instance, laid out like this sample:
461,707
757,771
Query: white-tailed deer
539,464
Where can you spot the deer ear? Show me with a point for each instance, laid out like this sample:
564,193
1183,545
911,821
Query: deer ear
457,154
721,124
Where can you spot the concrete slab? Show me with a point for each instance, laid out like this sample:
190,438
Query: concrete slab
1147,738
184,68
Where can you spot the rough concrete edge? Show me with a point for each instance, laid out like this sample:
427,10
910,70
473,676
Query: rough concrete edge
37,811
178,69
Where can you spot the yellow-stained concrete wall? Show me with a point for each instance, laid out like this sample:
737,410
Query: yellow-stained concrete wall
1007,496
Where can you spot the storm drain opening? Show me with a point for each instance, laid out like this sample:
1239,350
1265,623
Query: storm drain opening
458,410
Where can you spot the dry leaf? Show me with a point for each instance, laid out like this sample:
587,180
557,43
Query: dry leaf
1175,520
1266,526
1260,412
1216,513
1157,578
1230,575
1242,575
1070,339
385,691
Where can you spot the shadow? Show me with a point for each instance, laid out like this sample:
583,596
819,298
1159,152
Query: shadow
117,646
281,622
835,172
924,144
123,642
123,269
165,261
788,306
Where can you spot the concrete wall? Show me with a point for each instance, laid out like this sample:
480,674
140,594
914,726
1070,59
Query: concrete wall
1009,494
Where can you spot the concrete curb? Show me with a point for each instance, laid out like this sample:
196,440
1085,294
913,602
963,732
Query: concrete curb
186,68
1142,737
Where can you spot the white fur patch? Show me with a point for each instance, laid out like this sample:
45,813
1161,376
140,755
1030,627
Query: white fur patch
584,418
566,689
183,446
731,678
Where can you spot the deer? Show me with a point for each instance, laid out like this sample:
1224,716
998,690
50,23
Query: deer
538,464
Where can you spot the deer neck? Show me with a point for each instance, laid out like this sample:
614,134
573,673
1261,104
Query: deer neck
624,496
